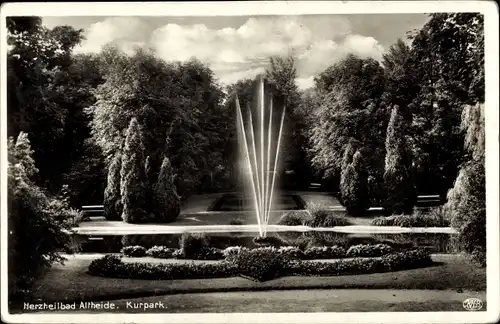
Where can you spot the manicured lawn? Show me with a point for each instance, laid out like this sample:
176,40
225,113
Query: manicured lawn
71,282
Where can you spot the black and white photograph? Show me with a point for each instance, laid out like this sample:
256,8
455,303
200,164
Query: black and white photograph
309,161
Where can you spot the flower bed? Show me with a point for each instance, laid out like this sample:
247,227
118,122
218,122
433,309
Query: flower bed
260,264
291,252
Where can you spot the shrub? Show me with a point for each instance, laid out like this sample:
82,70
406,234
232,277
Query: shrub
112,267
37,224
466,208
260,264
325,252
112,199
368,250
398,177
160,252
268,241
354,189
294,218
236,221
191,245
433,218
324,218
210,253
388,262
320,238
167,202
134,251
230,252
133,184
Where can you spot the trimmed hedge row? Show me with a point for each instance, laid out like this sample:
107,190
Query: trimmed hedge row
291,252
389,262
259,264
113,267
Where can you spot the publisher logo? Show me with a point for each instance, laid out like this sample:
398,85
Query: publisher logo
473,304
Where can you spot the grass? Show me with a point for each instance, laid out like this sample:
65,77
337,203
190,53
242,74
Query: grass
305,301
72,283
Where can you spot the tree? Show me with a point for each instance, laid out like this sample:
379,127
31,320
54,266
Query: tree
112,198
179,106
133,176
167,203
466,206
347,158
37,68
351,107
445,71
398,177
281,76
354,190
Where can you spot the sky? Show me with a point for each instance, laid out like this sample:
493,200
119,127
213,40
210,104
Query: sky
239,47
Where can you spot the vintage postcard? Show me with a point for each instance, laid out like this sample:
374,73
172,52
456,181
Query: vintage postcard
241,162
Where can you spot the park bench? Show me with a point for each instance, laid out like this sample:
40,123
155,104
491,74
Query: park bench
92,211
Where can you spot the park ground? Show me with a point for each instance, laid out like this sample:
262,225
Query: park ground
441,287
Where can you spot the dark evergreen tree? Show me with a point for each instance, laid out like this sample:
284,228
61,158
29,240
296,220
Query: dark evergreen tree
354,190
398,178
133,176
112,198
167,203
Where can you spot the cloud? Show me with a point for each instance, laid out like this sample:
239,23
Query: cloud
239,52
123,31
305,83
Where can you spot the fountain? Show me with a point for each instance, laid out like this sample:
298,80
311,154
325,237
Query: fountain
260,154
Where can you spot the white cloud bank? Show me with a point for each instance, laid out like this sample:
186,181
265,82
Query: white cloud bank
235,53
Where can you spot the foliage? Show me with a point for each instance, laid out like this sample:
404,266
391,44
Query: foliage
133,251
418,219
38,224
398,177
268,241
324,252
191,245
161,252
167,202
354,190
388,262
133,177
466,204
368,250
294,218
179,106
351,99
112,198
259,264
281,76
47,90
113,267
446,72
325,218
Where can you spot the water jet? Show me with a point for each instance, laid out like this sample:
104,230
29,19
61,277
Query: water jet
260,154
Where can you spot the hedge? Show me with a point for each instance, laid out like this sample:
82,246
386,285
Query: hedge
259,264
433,218
292,252
112,266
